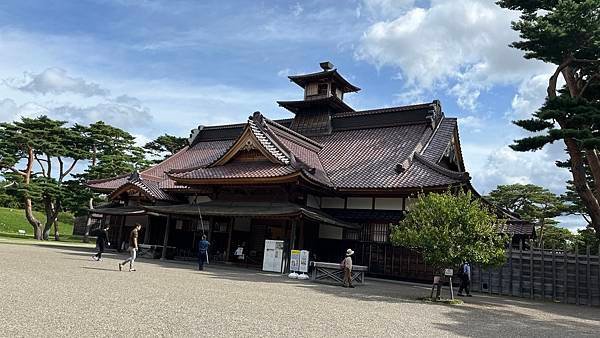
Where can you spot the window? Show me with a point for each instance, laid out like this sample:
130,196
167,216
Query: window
376,233
323,87
360,203
332,202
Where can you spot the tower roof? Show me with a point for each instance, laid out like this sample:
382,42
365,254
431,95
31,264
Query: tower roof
328,74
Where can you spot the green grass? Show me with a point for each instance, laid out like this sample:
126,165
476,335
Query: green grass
13,220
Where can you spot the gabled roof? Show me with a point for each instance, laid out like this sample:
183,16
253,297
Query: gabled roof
389,149
147,187
330,74
287,156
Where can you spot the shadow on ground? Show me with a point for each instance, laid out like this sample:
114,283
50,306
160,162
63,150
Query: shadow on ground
498,313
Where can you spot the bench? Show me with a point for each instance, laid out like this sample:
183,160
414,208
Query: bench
22,232
154,251
332,272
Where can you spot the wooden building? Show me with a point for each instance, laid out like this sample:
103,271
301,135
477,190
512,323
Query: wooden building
324,180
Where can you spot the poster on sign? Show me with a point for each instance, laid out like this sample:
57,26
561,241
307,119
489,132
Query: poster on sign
295,260
304,257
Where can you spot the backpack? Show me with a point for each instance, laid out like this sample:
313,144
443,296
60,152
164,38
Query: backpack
343,264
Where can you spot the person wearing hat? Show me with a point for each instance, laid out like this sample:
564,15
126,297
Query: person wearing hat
347,267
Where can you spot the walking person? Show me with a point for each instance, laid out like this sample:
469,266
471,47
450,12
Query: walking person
101,241
347,267
133,247
203,245
465,279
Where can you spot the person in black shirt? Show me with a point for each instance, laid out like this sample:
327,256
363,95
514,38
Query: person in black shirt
101,242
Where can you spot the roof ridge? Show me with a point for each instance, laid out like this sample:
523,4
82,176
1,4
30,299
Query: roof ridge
102,180
452,174
437,128
383,110
293,133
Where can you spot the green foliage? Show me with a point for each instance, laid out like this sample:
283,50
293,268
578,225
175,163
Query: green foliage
558,238
531,202
551,29
449,230
13,220
165,146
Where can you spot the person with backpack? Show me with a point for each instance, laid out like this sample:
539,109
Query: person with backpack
101,241
346,266
203,245
465,279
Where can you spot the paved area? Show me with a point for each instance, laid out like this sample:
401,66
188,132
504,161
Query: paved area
59,291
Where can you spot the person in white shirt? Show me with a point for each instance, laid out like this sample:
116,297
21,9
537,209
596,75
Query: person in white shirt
347,267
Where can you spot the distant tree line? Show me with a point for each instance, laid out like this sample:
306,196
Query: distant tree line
44,164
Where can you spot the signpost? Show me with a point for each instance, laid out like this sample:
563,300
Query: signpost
449,273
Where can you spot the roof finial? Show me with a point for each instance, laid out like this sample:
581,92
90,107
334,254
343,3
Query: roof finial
326,65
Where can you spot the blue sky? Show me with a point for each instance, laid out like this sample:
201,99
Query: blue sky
155,67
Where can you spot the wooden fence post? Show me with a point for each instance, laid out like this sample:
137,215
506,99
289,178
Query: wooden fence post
577,273
553,273
543,274
588,279
510,270
566,276
520,268
531,287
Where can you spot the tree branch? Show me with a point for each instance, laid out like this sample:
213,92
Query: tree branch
552,81
63,175
39,161
590,80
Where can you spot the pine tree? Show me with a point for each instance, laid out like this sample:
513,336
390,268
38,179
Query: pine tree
566,33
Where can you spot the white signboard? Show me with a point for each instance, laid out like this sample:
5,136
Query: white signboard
448,272
273,256
304,258
295,260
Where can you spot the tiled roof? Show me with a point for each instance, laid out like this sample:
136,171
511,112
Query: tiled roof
440,140
149,187
518,228
366,159
262,169
345,159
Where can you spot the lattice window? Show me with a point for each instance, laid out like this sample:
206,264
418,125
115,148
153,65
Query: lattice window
376,233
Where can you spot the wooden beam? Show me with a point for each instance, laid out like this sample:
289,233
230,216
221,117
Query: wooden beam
166,239
229,233
119,240
147,231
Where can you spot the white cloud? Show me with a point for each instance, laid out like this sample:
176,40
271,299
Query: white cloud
471,123
56,81
459,46
125,116
529,97
10,110
505,166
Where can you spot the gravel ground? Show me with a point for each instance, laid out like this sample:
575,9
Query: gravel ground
59,291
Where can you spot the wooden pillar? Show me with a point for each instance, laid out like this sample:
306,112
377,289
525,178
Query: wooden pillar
120,238
166,239
293,228
301,239
147,232
229,233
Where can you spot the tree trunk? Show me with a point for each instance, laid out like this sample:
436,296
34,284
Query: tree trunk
52,211
581,184
37,225
88,224
56,233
